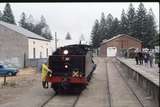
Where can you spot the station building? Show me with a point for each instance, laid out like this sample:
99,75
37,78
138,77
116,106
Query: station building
18,45
117,45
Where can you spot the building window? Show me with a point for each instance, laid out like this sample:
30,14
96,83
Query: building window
33,42
34,53
47,52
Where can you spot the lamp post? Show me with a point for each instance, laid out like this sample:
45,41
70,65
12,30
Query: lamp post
56,40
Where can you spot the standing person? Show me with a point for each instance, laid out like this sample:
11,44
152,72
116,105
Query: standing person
136,58
151,58
146,58
45,71
140,57
125,54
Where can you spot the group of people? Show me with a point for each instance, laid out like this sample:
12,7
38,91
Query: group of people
145,57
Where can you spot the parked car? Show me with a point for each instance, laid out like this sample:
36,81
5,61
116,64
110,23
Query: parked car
7,71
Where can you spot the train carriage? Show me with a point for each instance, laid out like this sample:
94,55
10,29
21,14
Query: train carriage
72,67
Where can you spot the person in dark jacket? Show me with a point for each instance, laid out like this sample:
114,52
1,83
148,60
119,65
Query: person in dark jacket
151,58
140,57
146,58
136,58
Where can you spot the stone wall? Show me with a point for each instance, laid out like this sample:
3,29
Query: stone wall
13,47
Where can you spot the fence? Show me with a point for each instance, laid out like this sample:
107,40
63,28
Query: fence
36,63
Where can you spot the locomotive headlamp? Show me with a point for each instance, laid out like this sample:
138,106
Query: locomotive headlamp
65,52
67,59
65,66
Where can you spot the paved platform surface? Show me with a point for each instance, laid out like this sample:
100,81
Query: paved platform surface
151,73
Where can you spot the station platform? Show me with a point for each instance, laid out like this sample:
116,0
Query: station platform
151,73
144,76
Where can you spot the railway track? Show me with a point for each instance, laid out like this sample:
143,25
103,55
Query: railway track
49,99
127,84
111,82
107,87
55,96
111,93
75,102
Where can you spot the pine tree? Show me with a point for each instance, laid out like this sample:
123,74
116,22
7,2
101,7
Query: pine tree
138,24
151,31
46,33
68,36
156,40
81,39
141,23
39,26
102,27
22,21
95,35
8,15
30,23
43,29
124,23
109,23
131,16
115,28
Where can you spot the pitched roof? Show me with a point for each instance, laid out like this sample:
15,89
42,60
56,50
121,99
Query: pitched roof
120,35
22,31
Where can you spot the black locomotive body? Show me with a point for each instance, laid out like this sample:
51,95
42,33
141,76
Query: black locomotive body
72,67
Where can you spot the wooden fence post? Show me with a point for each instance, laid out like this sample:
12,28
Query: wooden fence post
4,80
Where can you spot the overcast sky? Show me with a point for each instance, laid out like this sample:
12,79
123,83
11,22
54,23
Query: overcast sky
76,18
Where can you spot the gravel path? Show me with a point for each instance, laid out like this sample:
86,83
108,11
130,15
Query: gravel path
27,92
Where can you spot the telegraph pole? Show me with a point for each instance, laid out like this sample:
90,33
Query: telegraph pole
56,40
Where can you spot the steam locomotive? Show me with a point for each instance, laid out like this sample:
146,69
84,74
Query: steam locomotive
72,67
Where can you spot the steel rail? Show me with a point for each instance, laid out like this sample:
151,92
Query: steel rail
49,99
107,86
124,79
75,102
